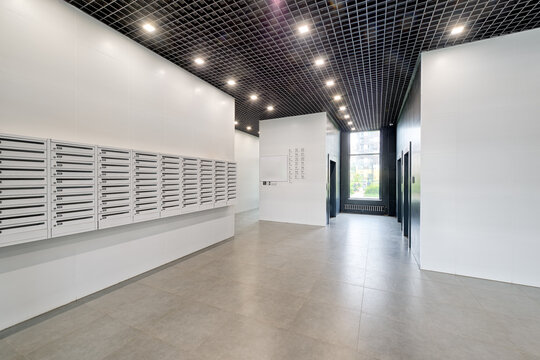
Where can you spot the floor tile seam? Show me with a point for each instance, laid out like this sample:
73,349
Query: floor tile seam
176,346
119,319
527,355
143,331
148,335
360,320
298,295
520,293
68,334
484,306
271,288
255,286
322,341
247,263
330,279
303,300
77,327
243,317
525,289
334,305
15,350
536,318
421,323
427,281
430,301
146,285
477,340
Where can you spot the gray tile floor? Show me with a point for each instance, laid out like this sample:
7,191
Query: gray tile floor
283,291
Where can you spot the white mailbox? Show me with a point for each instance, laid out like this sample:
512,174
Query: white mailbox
146,186
190,184
220,183
171,185
206,184
23,190
231,183
115,187
72,187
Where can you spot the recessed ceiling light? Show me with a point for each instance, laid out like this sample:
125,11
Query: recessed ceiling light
236,123
347,116
391,124
337,97
342,108
353,128
303,29
457,30
319,62
199,61
149,27
349,123
253,97
330,83
270,108
249,127
231,82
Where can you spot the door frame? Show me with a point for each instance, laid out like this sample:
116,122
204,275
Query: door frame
399,190
406,190
333,187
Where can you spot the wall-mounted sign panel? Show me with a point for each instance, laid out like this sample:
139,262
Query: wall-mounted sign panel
274,168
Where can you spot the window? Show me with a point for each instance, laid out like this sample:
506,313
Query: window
364,155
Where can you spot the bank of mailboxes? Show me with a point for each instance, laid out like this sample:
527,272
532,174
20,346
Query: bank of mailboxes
51,188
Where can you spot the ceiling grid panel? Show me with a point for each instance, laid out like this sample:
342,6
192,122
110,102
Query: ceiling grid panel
370,47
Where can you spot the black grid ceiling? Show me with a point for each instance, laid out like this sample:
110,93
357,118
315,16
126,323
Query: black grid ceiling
370,47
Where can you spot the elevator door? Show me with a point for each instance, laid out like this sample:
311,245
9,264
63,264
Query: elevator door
406,197
399,190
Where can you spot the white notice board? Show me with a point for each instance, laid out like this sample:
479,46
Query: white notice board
274,168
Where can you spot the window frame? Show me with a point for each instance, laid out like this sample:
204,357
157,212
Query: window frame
367,153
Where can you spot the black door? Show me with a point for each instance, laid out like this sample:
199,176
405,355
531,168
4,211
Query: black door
333,189
399,189
406,186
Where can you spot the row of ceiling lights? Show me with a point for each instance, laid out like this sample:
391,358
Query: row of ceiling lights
302,30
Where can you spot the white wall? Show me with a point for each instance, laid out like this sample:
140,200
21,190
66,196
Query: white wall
333,151
408,141
299,201
66,76
246,155
480,155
